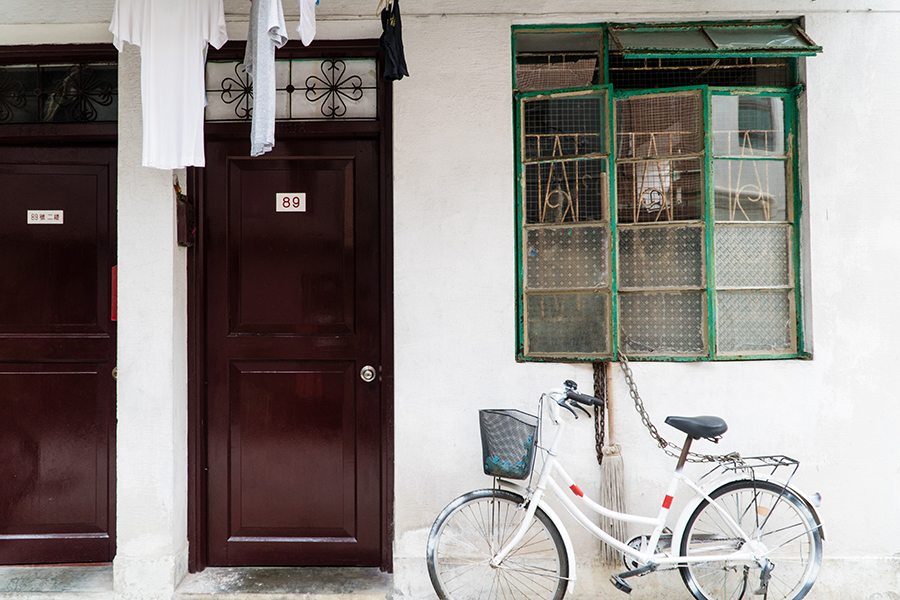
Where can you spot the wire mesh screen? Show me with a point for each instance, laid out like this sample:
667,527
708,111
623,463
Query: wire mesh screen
754,321
654,257
563,127
660,190
567,324
659,125
567,257
566,191
649,73
553,71
662,323
752,255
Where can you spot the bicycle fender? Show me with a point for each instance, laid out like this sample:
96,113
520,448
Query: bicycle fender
563,532
688,510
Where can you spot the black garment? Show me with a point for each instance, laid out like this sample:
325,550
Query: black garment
392,43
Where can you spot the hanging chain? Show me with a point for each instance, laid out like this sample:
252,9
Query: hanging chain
667,446
600,392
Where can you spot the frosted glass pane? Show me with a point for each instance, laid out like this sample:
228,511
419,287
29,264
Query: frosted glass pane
756,38
752,255
568,324
566,257
754,321
662,323
660,256
566,191
750,190
662,39
565,126
748,126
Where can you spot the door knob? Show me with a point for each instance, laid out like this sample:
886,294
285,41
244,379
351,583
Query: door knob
367,373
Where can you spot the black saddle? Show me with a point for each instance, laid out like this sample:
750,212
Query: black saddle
699,427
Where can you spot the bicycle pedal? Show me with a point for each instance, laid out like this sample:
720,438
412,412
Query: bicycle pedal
620,584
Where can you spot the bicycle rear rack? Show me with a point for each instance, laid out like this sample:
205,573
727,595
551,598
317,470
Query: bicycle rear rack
754,466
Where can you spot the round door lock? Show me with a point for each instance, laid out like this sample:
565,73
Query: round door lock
367,373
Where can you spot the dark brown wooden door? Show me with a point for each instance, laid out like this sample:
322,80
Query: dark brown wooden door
294,433
57,352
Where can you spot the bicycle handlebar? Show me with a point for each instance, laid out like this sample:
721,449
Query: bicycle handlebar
583,398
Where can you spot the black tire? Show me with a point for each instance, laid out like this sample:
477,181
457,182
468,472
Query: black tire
762,509
493,516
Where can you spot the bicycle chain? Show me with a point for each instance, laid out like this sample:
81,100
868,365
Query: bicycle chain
667,446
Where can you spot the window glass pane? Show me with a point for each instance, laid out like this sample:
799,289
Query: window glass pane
553,60
652,257
659,125
566,257
754,321
660,190
564,126
567,324
664,39
752,255
566,191
750,38
750,190
748,126
662,323
60,93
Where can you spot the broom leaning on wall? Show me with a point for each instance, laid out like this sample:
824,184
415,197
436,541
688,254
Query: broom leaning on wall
609,456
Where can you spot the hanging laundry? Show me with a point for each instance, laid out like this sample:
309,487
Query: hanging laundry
392,42
307,27
172,35
266,33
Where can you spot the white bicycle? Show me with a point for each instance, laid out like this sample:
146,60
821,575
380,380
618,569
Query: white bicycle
746,531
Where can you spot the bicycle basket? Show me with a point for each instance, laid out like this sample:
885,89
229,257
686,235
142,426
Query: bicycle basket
507,442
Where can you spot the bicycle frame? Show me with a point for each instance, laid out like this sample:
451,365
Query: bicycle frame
644,556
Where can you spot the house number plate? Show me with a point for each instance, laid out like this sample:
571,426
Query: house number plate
45,217
293,202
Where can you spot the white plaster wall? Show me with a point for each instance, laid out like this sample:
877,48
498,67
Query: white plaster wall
455,312
455,289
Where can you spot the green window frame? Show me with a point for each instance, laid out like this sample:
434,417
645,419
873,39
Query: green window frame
581,292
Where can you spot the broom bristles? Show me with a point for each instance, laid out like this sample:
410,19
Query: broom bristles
612,496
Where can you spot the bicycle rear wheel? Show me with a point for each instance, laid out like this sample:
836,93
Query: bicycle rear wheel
473,528
772,516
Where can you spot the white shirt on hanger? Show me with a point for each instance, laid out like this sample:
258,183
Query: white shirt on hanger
267,31
307,27
172,35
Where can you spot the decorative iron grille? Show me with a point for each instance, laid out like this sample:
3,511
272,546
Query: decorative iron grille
305,90
59,93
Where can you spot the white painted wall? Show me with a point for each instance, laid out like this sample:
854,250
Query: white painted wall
455,291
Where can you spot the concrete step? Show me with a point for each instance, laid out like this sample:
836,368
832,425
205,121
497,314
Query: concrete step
283,583
56,583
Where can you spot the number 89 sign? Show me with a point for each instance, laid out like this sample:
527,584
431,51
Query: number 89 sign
293,202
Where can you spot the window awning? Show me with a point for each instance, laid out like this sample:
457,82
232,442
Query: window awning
712,41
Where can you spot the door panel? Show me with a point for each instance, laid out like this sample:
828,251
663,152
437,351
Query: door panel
57,351
292,315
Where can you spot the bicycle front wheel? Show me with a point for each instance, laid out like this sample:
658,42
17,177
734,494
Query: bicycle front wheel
776,520
470,532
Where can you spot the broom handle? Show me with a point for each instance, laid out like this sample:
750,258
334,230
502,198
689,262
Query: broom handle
610,421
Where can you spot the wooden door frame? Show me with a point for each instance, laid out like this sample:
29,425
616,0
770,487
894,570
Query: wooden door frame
380,130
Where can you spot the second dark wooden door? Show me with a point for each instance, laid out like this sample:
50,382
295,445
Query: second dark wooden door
292,317
57,353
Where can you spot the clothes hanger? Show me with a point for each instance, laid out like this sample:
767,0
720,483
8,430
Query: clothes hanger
383,5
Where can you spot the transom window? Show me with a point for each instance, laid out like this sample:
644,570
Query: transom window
658,191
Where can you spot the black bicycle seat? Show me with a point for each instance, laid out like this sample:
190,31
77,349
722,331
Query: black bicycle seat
699,427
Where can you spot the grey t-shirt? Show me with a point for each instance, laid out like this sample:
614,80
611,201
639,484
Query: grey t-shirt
267,32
